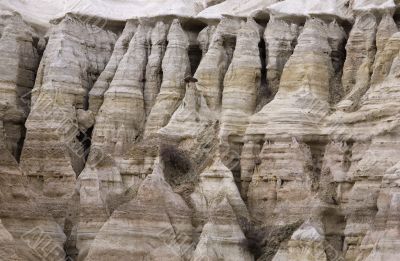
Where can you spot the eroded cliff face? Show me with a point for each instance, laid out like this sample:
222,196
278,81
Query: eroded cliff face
271,133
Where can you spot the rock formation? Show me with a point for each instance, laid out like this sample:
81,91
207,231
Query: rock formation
175,67
280,39
53,154
103,82
241,83
213,66
166,234
19,62
200,130
153,70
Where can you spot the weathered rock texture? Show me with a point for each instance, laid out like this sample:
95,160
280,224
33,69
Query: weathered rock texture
19,62
268,133
175,67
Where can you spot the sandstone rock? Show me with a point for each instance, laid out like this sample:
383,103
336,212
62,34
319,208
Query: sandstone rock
99,187
27,230
303,92
217,182
205,37
175,67
213,66
241,83
19,60
280,39
121,117
382,240
222,237
166,233
289,157
53,155
141,165
306,243
384,55
191,118
8,248
361,50
103,82
153,69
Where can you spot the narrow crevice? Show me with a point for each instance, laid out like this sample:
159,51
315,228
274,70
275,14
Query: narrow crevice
195,55
263,92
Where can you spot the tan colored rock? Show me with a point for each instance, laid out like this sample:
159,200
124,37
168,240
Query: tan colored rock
306,244
222,237
283,177
205,38
286,128
215,62
99,187
175,67
27,230
155,225
381,241
280,40
302,100
8,248
191,118
121,117
386,52
52,155
19,61
103,82
217,182
360,49
153,70
241,83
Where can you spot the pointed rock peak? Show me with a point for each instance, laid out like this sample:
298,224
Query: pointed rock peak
176,35
159,32
314,37
309,231
217,169
156,180
386,28
141,35
337,30
221,210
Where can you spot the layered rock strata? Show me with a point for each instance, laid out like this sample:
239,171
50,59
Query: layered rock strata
258,130
19,62
102,84
53,155
175,67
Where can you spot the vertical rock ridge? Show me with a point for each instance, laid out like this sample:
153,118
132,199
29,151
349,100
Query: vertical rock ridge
215,62
153,71
103,82
175,67
121,117
280,40
241,83
19,61
53,155
361,50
